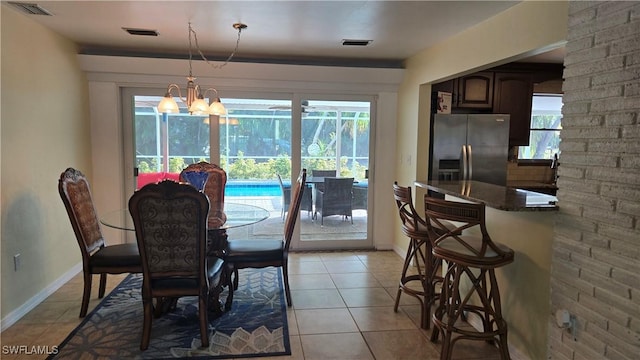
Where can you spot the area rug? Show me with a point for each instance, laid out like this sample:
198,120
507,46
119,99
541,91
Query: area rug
255,326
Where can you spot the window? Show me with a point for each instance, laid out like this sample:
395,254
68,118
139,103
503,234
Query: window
546,122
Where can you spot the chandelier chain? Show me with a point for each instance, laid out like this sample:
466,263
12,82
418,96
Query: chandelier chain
195,37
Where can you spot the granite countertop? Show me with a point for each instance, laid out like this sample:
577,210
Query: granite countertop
495,196
531,184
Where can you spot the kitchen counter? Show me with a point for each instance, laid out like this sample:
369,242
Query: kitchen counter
523,221
495,196
537,186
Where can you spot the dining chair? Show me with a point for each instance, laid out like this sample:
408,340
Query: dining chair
336,198
170,221
213,188
261,253
97,256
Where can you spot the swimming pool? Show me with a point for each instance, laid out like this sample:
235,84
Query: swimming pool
252,188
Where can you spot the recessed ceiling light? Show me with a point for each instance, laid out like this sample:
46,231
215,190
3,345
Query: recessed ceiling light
141,32
354,42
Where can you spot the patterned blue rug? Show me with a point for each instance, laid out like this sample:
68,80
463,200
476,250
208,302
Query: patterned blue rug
256,325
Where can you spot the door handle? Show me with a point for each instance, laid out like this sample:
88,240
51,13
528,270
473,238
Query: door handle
470,161
464,162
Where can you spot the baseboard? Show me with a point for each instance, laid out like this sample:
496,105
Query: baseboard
475,321
22,310
400,251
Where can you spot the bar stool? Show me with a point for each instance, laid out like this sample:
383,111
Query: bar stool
418,253
477,257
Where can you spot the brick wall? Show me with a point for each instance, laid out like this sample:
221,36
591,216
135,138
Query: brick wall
596,253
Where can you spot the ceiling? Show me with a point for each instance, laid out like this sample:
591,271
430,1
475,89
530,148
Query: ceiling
278,31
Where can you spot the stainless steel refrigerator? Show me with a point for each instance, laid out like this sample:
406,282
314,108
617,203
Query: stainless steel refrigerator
470,147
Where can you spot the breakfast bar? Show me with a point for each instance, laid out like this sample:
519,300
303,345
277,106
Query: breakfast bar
522,220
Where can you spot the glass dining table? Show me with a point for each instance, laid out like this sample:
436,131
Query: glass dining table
238,215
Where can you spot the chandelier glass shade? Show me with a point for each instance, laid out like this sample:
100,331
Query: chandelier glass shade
195,99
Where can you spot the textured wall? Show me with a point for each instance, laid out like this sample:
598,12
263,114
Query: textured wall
596,253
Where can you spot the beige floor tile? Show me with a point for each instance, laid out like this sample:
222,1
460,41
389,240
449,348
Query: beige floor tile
323,285
403,344
55,335
387,279
296,349
414,312
49,312
405,298
302,256
381,256
355,280
307,267
311,281
349,346
341,255
22,333
472,350
292,321
390,267
317,299
345,266
324,321
381,318
366,297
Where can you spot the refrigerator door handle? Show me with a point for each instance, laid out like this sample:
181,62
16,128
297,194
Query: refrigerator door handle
464,162
470,162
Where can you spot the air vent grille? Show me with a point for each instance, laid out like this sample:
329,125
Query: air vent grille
141,32
353,42
31,9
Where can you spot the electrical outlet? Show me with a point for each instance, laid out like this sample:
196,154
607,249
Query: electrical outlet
16,262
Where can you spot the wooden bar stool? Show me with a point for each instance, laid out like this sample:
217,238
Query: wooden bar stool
470,256
421,285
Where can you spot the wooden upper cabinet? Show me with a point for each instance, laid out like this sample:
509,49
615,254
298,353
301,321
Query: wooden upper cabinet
513,93
475,91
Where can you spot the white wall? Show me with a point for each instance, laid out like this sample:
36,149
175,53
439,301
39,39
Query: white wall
107,75
45,129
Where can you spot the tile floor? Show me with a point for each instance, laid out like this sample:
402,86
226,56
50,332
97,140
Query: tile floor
343,309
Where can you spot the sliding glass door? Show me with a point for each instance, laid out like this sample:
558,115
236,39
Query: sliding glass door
262,143
335,138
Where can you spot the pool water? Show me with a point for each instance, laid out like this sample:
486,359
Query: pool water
252,188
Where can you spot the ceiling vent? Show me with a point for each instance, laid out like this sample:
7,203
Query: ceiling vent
141,32
31,9
352,42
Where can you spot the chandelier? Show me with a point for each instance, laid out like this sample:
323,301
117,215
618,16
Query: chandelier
195,96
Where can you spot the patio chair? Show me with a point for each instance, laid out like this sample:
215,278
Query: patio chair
286,195
170,220
323,173
97,256
336,199
306,203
